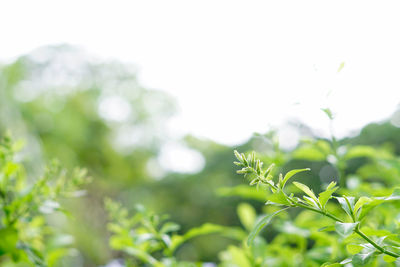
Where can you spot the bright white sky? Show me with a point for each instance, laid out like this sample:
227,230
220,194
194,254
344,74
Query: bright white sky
235,67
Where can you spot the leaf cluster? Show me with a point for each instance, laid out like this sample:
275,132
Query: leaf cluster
25,205
356,211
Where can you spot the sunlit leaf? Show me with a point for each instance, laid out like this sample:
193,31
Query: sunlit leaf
326,195
347,204
354,249
278,197
290,174
330,228
328,113
361,202
306,190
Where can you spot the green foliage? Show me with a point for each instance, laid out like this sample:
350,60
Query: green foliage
25,205
329,202
364,252
145,235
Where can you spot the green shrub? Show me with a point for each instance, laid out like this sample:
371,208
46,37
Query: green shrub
26,236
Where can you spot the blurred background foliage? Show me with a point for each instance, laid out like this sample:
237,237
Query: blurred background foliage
95,114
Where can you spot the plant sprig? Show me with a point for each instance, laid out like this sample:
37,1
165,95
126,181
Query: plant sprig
355,210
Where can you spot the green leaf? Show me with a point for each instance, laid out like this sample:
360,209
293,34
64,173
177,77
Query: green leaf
247,215
311,201
394,196
389,259
306,190
377,201
361,202
260,225
329,228
279,198
326,195
238,156
328,113
369,206
290,174
267,173
331,185
362,259
9,239
347,204
345,229
354,249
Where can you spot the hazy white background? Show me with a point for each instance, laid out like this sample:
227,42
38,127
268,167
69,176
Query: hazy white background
235,67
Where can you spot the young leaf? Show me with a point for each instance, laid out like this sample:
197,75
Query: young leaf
354,249
369,206
326,195
345,229
267,173
394,196
311,201
278,198
361,202
238,156
377,201
330,228
331,185
347,204
290,174
328,113
306,190
260,225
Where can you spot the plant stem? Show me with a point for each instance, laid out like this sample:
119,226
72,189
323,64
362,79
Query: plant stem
294,203
372,242
333,217
357,231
